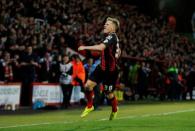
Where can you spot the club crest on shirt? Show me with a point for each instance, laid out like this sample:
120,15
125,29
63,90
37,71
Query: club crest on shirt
109,37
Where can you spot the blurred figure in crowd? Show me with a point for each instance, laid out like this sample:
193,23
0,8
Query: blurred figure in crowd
78,79
28,65
66,79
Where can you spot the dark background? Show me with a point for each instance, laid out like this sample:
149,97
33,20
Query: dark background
181,9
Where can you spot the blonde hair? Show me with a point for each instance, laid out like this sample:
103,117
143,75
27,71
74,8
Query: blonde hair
115,21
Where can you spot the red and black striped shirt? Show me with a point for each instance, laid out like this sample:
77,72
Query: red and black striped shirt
108,59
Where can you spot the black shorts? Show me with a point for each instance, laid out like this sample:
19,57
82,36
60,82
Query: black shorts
107,78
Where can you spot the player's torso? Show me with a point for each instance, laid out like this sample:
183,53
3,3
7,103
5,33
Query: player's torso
108,55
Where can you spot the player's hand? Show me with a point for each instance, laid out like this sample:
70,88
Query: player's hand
81,48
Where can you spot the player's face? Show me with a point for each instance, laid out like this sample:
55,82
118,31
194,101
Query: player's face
108,27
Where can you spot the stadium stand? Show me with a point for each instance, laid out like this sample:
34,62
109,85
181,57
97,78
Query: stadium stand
32,29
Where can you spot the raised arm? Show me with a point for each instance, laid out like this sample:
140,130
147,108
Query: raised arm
99,47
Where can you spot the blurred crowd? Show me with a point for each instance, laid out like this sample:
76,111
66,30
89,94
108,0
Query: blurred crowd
34,35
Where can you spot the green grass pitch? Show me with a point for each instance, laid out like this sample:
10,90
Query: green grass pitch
156,116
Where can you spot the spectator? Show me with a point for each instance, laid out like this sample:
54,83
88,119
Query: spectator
6,68
191,81
143,79
45,68
28,65
65,80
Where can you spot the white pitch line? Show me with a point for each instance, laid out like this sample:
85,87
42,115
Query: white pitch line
150,115
36,124
103,119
